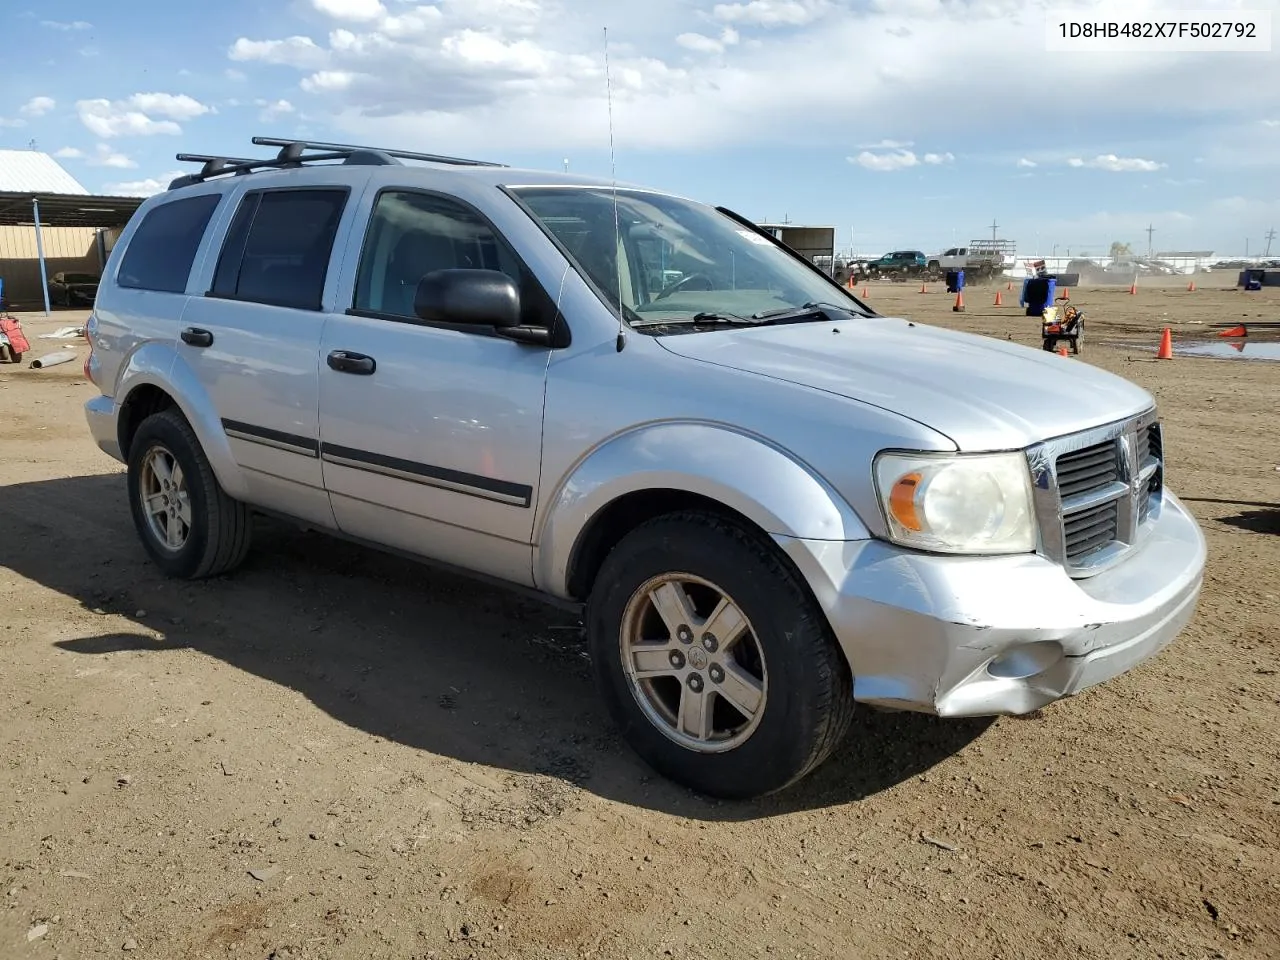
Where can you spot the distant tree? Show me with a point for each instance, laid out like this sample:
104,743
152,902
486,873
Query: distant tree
1120,251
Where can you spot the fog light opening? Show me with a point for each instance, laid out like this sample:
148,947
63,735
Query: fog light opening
1025,660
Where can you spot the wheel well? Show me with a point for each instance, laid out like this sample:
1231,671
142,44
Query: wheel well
626,513
141,403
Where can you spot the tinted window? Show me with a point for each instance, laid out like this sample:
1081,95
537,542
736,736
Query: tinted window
163,248
412,234
277,249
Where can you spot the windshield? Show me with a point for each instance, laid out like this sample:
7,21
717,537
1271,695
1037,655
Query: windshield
671,259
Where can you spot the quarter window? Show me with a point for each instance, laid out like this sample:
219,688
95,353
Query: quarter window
163,248
278,247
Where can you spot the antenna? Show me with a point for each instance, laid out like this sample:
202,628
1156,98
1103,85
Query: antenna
613,173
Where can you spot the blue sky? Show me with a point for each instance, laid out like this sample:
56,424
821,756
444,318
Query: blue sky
903,123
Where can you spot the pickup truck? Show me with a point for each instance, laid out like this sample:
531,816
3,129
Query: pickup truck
981,260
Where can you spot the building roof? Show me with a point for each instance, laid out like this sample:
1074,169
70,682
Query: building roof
63,210
1184,254
28,171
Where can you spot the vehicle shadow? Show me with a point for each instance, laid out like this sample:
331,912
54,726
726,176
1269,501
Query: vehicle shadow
399,650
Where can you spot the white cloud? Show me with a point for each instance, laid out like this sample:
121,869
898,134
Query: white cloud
14,122
489,76
63,25
300,52
895,160
1114,164
1270,123
273,109
886,145
38,106
136,116
771,13
700,43
141,188
355,10
104,156
69,153
173,106
938,158
1024,162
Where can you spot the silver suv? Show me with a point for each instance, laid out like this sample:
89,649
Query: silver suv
770,501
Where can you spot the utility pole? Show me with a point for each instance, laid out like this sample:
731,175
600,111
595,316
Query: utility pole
1270,235
994,227
1150,249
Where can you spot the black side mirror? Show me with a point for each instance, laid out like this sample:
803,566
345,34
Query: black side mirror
478,297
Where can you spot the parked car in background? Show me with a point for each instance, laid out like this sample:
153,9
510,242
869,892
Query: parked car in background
73,289
767,501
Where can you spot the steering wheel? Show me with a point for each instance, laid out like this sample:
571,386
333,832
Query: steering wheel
680,284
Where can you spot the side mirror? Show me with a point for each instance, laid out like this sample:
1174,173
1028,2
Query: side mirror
478,297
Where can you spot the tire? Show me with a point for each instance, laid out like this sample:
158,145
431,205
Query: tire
807,688
218,528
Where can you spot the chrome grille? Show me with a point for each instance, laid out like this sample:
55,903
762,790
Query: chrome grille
1097,492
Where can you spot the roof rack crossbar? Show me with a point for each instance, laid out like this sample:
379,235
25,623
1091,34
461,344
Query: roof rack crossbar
353,148
219,166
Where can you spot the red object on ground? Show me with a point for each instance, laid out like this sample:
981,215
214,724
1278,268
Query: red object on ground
13,330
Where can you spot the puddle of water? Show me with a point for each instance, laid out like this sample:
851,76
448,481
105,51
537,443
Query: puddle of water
1230,349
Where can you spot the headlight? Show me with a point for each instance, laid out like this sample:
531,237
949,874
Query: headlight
958,503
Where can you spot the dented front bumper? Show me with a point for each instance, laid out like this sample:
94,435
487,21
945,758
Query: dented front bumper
982,636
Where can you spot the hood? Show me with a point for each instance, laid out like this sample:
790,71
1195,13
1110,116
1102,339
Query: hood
982,393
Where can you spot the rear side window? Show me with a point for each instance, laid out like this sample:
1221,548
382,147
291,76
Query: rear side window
278,246
163,248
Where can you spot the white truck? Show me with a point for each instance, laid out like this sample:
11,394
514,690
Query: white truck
980,260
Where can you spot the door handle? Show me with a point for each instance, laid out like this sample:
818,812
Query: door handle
344,361
197,337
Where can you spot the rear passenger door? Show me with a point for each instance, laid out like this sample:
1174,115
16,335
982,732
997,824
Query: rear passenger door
253,339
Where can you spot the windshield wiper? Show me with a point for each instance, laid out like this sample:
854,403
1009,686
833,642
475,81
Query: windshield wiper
812,309
700,319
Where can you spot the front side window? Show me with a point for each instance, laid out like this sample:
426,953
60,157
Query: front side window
278,247
668,259
163,248
412,234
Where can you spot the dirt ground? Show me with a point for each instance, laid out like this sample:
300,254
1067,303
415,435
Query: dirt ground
339,754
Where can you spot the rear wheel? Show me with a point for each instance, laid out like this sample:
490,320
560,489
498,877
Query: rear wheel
714,660
188,524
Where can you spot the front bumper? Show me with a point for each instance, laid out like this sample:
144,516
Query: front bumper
983,636
100,412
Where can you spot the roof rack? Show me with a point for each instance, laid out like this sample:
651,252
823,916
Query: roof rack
293,153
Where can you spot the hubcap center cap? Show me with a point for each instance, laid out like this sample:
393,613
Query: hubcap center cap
697,659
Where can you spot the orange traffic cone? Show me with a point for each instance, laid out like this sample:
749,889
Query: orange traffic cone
1237,331
922,287
999,299
1065,294
1062,350
1166,345
1133,287
1191,287
864,293
959,304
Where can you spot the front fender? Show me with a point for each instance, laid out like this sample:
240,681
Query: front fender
156,364
746,473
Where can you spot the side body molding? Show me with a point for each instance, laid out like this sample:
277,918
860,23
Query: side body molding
746,473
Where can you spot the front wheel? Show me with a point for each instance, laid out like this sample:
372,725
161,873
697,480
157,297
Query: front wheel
713,659
188,524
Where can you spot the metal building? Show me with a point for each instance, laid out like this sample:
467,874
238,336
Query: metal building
49,223
817,244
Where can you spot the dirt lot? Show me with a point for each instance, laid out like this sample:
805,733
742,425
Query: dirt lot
340,754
